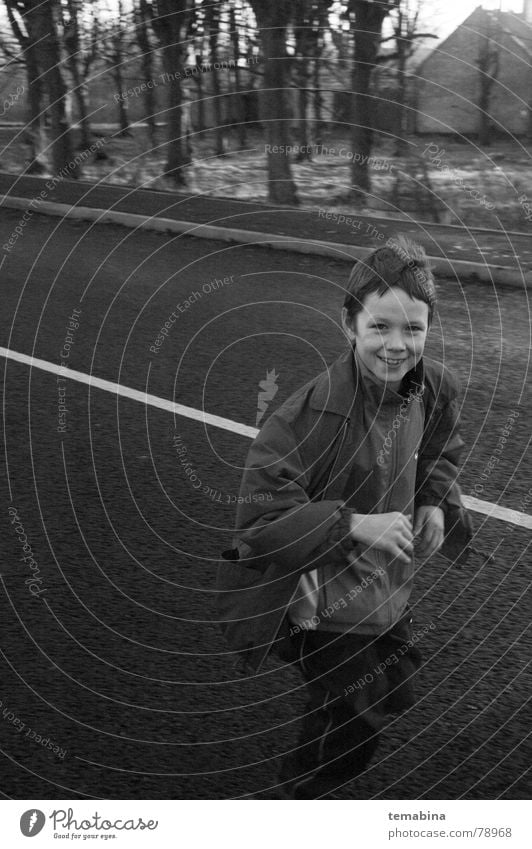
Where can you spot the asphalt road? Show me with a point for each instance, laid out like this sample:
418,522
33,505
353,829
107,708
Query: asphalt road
117,661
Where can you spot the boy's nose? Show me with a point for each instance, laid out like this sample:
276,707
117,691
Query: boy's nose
396,343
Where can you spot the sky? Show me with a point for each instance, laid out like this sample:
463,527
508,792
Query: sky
441,17
445,15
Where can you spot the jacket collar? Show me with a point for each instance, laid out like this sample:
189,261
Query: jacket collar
336,389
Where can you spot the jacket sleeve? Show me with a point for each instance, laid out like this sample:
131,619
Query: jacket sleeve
439,455
275,515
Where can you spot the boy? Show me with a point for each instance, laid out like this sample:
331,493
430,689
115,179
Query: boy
360,462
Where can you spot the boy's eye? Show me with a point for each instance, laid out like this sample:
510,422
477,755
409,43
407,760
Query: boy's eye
379,326
414,327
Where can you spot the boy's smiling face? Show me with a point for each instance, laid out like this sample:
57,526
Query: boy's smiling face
389,334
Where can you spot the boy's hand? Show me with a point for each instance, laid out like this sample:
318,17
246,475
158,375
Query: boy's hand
429,526
390,532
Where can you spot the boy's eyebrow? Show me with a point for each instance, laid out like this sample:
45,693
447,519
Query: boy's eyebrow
374,317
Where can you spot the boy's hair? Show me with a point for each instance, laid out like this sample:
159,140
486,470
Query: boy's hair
401,263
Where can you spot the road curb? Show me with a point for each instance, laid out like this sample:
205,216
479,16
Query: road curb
496,275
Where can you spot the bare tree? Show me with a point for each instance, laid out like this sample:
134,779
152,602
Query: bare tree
142,16
170,23
302,10
212,26
366,17
35,130
405,22
41,18
272,19
115,45
196,33
528,112
34,24
238,99
80,38
310,19
321,24
488,63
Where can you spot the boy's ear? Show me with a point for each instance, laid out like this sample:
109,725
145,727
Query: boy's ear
346,325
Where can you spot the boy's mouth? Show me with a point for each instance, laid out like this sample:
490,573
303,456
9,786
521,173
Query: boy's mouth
390,362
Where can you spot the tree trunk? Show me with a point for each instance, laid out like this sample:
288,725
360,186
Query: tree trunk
118,63
488,66
272,17
213,28
401,146
219,142
318,99
169,23
72,42
80,94
40,18
198,79
142,16
123,109
484,128
36,134
123,102
176,149
302,67
528,131
304,152
237,89
367,34
321,22
150,103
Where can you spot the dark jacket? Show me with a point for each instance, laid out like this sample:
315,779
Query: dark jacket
318,447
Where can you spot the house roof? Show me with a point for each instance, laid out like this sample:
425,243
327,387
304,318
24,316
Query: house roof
512,24
517,28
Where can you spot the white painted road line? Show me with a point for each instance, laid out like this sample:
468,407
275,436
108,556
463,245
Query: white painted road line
132,394
493,511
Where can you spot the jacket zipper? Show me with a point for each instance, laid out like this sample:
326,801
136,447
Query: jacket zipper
387,504
390,485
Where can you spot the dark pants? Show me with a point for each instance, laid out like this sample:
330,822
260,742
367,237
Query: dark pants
354,684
